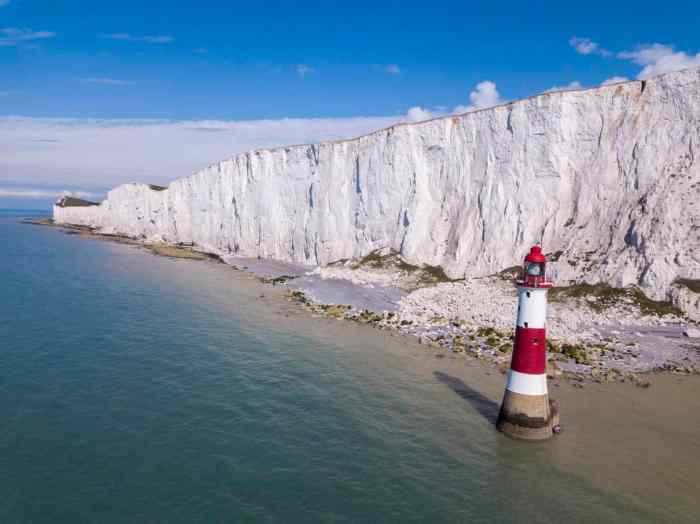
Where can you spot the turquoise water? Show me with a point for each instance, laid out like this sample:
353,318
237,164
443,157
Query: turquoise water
135,388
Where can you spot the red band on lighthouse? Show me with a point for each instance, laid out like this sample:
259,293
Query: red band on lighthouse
529,354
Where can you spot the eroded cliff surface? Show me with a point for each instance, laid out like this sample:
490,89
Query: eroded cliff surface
607,179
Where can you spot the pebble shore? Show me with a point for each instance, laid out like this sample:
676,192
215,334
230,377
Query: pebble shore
594,334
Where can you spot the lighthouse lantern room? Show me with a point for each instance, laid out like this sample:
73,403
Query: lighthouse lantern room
534,269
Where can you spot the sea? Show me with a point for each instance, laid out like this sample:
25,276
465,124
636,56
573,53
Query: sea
136,388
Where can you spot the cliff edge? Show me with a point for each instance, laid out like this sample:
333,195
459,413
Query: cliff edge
607,179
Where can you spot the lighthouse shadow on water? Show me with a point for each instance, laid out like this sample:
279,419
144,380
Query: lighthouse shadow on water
486,407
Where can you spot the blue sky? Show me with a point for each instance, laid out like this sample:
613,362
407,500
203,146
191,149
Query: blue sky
337,68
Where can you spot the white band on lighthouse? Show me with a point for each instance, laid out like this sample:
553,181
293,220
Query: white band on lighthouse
532,307
526,384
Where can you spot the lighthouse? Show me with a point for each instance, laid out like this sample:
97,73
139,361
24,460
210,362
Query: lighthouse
526,411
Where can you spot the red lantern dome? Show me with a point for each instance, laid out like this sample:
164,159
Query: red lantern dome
535,255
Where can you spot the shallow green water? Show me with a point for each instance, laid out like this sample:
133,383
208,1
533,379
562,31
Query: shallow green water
135,388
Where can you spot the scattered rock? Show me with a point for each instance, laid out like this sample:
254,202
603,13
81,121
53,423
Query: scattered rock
691,332
167,250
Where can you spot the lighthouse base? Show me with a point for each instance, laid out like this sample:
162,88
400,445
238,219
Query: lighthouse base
528,417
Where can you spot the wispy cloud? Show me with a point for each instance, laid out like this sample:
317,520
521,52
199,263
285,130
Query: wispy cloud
116,36
614,80
12,36
8,93
3,3
392,69
586,46
106,81
200,50
157,39
303,70
89,154
654,59
657,59
43,193
149,39
571,86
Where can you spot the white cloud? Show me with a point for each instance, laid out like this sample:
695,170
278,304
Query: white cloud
200,50
303,70
654,59
12,192
657,59
98,154
107,81
585,46
484,95
150,39
614,80
571,86
3,3
12,36
418,114
392,69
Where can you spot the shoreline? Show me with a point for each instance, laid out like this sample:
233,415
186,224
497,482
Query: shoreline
347,377
385,294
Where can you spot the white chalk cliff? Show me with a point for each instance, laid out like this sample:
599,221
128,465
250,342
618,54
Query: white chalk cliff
608,179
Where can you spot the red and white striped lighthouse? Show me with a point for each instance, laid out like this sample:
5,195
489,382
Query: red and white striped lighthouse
526,411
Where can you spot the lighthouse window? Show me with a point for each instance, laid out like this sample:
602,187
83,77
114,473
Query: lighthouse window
533,269
528,294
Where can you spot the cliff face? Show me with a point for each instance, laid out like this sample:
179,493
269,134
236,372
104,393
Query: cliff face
607,179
